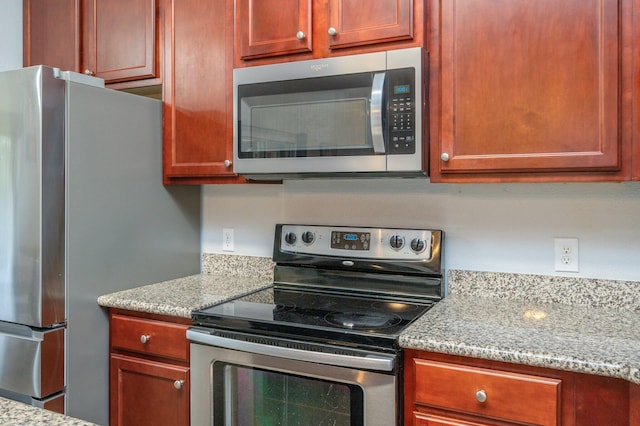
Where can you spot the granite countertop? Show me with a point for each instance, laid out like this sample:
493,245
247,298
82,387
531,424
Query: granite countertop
14,413
182,296
580,325
575,324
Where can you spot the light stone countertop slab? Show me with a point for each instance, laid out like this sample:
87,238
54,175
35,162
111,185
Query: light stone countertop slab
534,325
14,413
180,297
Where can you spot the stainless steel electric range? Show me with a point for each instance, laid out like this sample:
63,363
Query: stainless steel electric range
320,346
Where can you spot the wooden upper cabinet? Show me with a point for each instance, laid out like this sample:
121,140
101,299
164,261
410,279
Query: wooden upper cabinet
117,40
287,30
354,23
273,27
197,92
635,95
120,40
51,32
529,90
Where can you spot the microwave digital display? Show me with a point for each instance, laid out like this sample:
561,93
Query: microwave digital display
401,89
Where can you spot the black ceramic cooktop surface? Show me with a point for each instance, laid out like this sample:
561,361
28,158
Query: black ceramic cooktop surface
314,315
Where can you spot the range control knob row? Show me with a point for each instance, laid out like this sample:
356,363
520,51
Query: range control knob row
417,244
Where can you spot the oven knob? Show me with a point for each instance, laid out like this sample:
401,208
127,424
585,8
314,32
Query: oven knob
396,242
290,238
307,237
418,245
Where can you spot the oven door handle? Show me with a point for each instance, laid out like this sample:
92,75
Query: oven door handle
370,362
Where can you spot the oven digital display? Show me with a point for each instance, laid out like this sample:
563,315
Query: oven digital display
350,240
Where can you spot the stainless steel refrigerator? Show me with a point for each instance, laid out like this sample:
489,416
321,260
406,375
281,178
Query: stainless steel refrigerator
83,212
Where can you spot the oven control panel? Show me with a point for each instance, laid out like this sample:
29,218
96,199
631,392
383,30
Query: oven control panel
357,242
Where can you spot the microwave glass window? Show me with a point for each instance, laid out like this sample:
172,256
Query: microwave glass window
296,123
250,396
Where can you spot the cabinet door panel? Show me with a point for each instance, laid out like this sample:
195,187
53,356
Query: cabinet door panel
121,39
144,392
271,27
197,92
374,21
526,85
46,42
424,419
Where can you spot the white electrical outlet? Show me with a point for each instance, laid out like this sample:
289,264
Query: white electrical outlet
227,239
566,254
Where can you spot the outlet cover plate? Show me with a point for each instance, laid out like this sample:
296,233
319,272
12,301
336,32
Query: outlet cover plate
566,257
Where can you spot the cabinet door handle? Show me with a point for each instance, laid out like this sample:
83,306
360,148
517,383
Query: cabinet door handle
444,157
300,35
332,31
481,396
88,72
145,338
227,163
178,384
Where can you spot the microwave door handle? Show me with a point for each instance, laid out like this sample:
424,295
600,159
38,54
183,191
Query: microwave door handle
377,134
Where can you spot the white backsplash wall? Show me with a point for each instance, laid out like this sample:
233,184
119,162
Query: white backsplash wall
488,227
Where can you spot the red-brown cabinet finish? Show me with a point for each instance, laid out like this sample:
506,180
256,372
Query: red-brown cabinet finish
116,40
273,27
145,392
530,90
51,33
453,390
121,41
149,376
635,94
197,92
269,31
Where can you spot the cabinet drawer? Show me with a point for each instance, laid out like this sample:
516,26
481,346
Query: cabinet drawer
150,337
509,396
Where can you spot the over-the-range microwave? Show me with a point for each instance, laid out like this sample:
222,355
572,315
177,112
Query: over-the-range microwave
357,115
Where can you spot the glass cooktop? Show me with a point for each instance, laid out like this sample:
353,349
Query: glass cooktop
315,316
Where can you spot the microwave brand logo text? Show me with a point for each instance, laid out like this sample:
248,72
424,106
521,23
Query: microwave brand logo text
319,67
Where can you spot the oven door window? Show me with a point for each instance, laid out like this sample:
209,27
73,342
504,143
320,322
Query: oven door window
319,117
246,396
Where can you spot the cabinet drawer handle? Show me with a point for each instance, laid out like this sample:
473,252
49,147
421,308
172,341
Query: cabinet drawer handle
481,396
145,338
332,31
300,35
444,157
178,384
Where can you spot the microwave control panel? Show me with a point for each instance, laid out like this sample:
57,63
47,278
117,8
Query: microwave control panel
402,118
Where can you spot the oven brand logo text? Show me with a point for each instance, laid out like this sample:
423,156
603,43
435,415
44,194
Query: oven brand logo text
319,67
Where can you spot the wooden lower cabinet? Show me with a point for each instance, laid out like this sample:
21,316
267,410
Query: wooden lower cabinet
148,392
452,390
149,370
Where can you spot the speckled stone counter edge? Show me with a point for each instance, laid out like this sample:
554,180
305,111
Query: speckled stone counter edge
16,413
446,329
597,293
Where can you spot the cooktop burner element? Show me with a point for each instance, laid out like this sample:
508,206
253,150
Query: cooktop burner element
330,287
363,320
